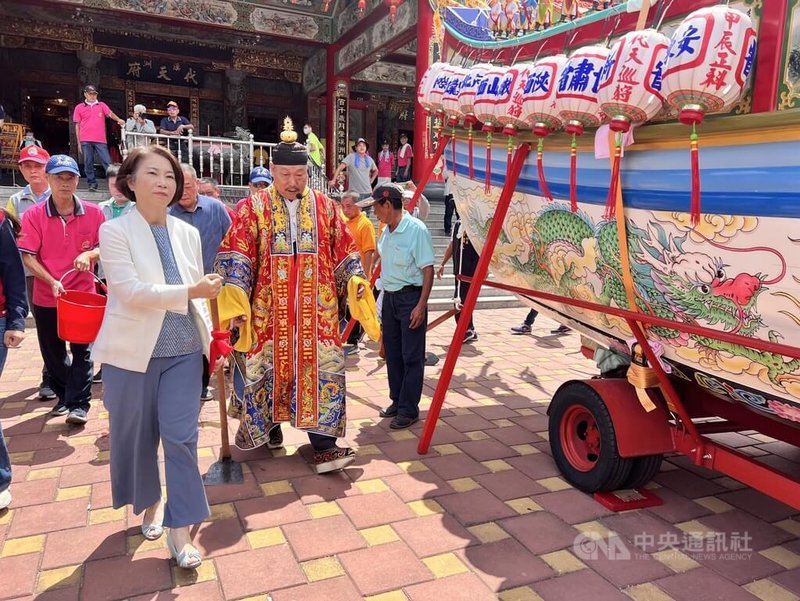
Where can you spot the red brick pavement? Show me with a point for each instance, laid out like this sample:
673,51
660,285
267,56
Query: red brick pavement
484,515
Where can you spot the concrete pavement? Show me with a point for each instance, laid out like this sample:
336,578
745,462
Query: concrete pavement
485,515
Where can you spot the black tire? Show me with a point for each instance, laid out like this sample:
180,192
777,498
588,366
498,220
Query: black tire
643,469
610,470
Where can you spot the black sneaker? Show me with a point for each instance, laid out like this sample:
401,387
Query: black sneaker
59,410
92,187
523,329
207,394
560,330
98,377
275,438
471,336
46,393
390,411
78,417
332,460
401,422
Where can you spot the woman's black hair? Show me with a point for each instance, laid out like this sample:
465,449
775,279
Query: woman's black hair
15,224
129,165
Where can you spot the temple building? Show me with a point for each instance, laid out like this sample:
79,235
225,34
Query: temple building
347,67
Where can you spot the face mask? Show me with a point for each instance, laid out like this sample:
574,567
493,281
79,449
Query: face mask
306,130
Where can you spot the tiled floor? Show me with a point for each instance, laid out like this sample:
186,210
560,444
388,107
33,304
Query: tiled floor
485,515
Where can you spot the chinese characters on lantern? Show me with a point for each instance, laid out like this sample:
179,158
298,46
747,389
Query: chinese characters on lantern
580,78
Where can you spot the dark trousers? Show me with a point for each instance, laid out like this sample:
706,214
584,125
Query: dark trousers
463,290
404,349
206,372
29,285
5,459
70,380
531,317
449,209
89,149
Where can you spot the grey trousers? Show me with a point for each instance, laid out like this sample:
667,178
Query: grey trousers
162,404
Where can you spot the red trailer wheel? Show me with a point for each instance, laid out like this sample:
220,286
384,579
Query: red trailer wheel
580,438
584,441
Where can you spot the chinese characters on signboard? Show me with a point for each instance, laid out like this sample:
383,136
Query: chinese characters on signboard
175,73
340,120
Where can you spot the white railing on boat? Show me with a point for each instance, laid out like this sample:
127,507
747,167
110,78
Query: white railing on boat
227,161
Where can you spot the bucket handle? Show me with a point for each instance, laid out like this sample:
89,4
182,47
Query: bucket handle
94,275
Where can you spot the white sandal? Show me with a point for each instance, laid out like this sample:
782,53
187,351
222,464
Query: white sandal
154,530
189,558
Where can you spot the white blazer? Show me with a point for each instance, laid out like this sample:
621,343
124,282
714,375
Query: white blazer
138,298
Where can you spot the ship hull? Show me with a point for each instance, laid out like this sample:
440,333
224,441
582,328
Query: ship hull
737,271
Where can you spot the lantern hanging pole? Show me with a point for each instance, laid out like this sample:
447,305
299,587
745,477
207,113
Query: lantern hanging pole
661,13
478,278
572,39
539,50
644,12
516,56
611,30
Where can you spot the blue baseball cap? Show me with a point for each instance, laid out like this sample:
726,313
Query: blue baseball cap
260,174
60,163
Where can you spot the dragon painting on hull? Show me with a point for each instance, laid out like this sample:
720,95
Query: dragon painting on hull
728,273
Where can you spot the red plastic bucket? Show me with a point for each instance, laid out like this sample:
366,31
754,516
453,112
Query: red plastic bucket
80,315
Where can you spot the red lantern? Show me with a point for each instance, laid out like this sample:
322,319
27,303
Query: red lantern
450,105
494,93
576,101
630,91
466,103
710,57
539,108
393,4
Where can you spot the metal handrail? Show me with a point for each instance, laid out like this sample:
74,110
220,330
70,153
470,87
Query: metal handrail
226,160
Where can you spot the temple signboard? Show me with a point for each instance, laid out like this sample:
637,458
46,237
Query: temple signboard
157,70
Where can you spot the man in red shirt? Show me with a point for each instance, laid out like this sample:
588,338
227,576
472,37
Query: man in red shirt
385,165
404,156
90,129
62,235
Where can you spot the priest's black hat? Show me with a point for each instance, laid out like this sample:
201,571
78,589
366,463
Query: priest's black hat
289,151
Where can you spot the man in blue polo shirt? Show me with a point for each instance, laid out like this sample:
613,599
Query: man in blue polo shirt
407,258
177,125
211,219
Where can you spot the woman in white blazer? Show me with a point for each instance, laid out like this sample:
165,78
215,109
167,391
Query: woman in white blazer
151,345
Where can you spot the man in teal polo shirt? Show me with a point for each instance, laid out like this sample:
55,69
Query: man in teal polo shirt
406,251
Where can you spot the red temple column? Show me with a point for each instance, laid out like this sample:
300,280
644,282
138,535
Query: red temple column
422,142
330,109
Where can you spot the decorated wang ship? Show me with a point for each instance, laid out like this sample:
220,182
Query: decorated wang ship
676,132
